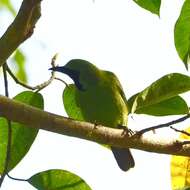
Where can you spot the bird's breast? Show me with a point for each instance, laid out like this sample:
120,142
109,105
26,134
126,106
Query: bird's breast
103,106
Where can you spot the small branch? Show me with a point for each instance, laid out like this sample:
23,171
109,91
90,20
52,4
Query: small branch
61,81
17,80
36,118
185,142
139,133
37,87
5,80
16,179
21,28
9,132
180,131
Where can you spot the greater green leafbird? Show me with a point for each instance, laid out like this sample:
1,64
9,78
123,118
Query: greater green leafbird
100,99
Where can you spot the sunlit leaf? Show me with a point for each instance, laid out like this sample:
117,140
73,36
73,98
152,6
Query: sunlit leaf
172,106
22,137
150,5
70,104
58,180
8,5
180,169
182,33
184,188
165,88
19,60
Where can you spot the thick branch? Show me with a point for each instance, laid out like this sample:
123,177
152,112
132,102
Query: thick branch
21,28
33,117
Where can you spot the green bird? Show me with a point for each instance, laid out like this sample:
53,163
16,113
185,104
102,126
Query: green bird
100,98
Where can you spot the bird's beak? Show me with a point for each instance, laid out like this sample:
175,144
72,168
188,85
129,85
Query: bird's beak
62,69
74,75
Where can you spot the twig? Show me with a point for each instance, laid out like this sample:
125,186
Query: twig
139,133
61,81
16,179
181,131
17,81
5,80
185,143
9,135
37,87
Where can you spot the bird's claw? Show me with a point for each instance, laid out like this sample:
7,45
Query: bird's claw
126,131
96,124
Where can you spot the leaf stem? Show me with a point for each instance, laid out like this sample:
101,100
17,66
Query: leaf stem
16,179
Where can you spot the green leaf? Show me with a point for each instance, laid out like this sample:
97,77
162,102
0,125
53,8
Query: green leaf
164,89
22,137
150,5
131,101
7,4
182,33
173,106
58,180
19,60
70,104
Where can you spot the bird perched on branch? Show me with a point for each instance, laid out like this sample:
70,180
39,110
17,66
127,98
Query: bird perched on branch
99,97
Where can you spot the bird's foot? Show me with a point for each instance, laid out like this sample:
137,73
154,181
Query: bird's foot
126,131
94,128
96,124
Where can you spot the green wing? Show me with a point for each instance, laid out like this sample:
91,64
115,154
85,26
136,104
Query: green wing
116,84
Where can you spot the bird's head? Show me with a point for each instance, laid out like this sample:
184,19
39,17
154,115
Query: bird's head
82,72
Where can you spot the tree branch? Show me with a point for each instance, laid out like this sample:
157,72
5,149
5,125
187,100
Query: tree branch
181,131
36,118
163,125
21,28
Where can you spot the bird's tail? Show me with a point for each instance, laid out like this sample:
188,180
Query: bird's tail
124,158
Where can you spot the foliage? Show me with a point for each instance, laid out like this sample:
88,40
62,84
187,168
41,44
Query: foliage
70,104
19,60
161,98
180,169
22,137
58,180
150,5
8,5
182,33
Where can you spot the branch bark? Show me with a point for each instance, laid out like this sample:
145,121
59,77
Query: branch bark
21,28
36,118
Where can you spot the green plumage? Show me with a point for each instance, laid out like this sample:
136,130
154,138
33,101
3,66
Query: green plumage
97,97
